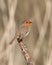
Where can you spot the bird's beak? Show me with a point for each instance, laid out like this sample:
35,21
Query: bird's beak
30,22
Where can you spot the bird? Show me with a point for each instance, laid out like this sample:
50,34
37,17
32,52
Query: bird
24,30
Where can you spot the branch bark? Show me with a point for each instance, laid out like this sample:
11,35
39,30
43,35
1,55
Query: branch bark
25,53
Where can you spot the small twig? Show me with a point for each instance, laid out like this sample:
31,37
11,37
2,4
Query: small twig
25,51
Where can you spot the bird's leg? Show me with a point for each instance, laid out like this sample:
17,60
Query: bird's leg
19,39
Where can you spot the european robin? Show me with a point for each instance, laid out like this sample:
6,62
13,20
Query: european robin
23,31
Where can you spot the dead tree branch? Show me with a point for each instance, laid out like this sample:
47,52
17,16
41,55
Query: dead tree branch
25,52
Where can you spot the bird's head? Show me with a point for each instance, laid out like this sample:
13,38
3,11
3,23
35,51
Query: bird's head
28,22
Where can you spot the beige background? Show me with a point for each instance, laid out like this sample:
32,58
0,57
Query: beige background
38,42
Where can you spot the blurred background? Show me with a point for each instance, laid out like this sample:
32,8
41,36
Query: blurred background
39,42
